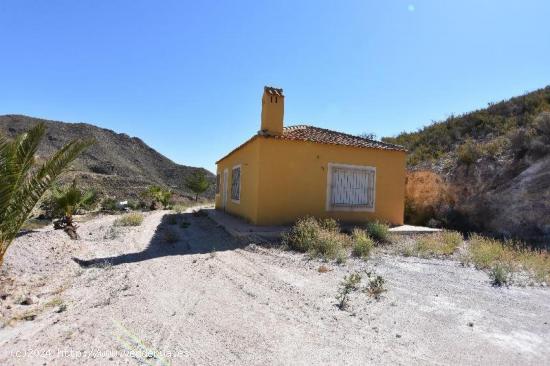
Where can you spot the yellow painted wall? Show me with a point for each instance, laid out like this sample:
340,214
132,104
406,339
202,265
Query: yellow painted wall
248,157
289,180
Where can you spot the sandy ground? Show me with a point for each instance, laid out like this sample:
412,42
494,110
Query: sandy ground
131,298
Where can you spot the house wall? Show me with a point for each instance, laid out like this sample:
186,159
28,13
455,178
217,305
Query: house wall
282,180
293,181
248,157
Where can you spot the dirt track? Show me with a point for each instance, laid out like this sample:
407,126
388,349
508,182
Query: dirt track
210,300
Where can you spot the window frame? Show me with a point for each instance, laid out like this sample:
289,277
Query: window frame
328,205
240,186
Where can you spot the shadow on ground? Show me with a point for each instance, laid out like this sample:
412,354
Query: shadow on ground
177,234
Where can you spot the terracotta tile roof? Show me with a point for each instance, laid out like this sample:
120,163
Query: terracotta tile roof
273,91
324,136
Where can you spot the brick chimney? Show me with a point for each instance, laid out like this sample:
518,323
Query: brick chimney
273,109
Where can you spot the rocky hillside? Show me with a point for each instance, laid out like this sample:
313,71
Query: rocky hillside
488,170
117,165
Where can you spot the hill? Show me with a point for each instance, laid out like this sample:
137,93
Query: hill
117,165
488,170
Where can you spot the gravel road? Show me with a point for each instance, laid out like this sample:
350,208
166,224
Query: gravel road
125,296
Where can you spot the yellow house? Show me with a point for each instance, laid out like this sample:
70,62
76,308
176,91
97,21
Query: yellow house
283,173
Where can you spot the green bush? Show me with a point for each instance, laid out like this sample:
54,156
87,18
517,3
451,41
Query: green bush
468,153
109,204
318,237
131,219
378,231
362,243
303,235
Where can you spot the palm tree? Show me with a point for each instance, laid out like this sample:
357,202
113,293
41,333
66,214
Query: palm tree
67,202
22,182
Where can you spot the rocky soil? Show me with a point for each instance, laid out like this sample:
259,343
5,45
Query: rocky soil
127,296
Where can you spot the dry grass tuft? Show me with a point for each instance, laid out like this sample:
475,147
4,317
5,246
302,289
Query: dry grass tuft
131,219
433,245
439,244
488,254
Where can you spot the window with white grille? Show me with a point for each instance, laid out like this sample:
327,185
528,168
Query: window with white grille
351,188
236,183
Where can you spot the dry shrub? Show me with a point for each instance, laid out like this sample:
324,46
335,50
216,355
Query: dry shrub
362,243
131,219
320,238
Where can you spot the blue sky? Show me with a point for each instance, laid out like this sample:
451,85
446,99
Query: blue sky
187,76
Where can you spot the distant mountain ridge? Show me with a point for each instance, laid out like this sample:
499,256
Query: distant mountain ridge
117,164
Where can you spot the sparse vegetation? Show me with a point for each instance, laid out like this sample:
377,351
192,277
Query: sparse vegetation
378,231
497,256
523,113
130,219
347,286
22,183
485,252
375,287
436,244
198,183
320,238
362,243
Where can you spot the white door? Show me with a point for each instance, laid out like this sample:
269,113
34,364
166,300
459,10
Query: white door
224,189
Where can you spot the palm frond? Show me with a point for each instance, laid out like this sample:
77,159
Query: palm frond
20,188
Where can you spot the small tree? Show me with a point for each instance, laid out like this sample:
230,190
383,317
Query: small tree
198,183
22,183
67,201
